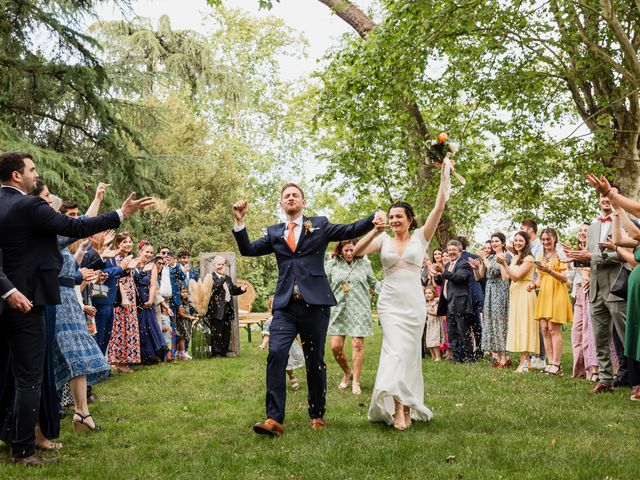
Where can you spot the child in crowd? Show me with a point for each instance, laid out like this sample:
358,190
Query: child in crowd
184,324
434,336
296,355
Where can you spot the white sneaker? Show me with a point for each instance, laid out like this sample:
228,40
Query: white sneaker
538,362
187,356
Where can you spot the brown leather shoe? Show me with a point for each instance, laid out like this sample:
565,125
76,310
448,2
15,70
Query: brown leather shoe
269,427
602,388
34,460
317,424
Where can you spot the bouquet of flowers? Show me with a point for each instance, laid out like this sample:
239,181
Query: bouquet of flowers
441,151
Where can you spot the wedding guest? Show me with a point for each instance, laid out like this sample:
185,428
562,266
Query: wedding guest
608,311
352,280
162,304
184,324
436,258
29,227
190,273
530,226
434,334
456,301
124,346
221,312
153,348
495,319
523,330
585,362
553,306
477,294
632,332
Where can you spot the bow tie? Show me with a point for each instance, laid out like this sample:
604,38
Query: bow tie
605,219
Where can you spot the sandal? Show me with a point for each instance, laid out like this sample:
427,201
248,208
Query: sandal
53,446
355,388
81,426
345,383
594,377
551,371
294,383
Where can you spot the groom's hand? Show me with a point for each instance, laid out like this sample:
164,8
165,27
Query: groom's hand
380,220
239,210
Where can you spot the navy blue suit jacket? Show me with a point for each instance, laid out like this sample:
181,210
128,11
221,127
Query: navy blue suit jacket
304,266
476,288
29,230
459,297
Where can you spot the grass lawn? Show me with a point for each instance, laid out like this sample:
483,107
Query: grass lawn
193,420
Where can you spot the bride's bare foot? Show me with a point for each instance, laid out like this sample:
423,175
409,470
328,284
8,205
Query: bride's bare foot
399,422
407,416
345,381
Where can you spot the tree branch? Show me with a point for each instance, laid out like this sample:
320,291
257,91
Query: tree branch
625,44
352,14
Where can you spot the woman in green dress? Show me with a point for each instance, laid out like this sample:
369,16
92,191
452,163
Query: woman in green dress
351,279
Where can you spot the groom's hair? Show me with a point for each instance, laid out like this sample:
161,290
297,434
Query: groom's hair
291,185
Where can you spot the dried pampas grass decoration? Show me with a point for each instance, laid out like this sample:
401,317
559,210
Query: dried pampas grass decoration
200,293
161,205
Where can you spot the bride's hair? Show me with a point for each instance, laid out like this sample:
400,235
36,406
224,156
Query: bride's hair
408,211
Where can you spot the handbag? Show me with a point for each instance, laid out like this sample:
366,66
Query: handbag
100,291
621,283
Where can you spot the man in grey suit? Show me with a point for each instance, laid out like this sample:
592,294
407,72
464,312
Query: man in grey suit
607,311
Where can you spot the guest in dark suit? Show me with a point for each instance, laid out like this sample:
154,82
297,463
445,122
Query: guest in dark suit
221,312
32,261
456,302
477,296
6,287
302,299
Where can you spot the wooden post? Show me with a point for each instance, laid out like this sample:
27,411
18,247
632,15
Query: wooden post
206,266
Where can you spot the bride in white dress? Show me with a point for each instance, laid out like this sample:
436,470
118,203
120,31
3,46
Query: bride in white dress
398,395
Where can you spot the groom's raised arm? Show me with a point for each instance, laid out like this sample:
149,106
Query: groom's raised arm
247,248
337,232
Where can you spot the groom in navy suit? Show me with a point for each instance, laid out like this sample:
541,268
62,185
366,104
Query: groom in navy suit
302,299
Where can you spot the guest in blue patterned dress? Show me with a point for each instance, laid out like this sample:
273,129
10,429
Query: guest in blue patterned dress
351,279
153,347
77,358
495,318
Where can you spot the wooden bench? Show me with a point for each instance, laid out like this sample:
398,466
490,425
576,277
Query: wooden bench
252,318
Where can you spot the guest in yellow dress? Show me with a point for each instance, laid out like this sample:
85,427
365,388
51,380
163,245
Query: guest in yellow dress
553,307
522,332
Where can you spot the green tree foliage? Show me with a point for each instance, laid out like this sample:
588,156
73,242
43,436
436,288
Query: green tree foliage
224,126
55,101
499,77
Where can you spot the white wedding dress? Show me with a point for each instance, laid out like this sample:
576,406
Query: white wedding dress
402,310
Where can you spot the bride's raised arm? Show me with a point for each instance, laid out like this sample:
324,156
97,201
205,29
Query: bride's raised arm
441,201
365,245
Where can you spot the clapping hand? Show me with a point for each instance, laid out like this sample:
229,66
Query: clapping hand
131,205
542,268
134,263
475,263
501,259
89,275
125,263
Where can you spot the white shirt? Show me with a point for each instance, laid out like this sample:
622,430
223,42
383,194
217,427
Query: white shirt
605,229
536,248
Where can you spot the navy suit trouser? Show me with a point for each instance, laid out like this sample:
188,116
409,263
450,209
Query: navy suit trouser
104,325
311,322
24,344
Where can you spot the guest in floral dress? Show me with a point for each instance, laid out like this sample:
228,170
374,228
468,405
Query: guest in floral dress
77,358
351,279
124,346
495,318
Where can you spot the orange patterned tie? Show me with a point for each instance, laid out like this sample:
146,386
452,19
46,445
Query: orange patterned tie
291,238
